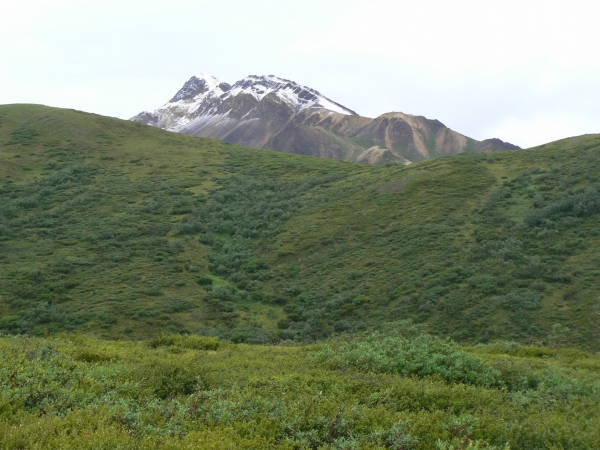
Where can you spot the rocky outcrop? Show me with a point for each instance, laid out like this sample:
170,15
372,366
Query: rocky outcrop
378,155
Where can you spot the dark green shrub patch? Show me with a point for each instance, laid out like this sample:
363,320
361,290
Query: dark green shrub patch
582,204
422,356
520,299
24,135
190,342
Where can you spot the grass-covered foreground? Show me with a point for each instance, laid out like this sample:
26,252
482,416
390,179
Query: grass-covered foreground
387,390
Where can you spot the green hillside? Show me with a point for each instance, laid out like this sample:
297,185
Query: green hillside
117,229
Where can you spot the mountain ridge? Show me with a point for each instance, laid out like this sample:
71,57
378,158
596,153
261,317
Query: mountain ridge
274,113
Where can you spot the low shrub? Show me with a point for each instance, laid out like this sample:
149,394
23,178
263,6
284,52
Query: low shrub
582,204
520,299
168,379
189,342
422,356
205,280
92,356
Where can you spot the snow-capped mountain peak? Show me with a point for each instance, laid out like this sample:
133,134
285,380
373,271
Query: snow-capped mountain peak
199,85
296,95
204,100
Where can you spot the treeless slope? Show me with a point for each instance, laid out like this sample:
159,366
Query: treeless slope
120,229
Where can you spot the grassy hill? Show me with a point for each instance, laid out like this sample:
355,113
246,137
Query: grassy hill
117,229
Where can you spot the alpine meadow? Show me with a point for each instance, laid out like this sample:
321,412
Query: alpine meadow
160,290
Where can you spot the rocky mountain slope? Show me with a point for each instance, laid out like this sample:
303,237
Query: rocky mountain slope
269,112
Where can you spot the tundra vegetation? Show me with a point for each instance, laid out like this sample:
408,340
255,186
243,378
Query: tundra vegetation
192,252
386,390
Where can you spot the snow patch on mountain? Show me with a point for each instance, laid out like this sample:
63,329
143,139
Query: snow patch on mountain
300,97
202,123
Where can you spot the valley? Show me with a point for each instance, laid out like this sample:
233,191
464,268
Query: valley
160,290
118,229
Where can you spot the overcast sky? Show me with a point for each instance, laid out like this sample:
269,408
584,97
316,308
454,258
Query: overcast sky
525,71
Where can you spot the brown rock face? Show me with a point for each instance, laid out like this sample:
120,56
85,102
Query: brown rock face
378,155
273,113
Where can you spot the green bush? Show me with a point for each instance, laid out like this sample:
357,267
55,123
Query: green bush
582,204
23,135
205,280
422,356
168,379
185,341
92,356
520,299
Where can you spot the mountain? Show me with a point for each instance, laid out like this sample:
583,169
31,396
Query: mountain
273,113
118,229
